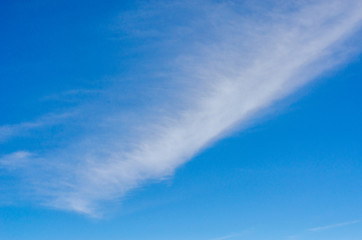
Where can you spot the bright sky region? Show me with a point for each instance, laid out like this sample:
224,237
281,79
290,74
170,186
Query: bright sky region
180,120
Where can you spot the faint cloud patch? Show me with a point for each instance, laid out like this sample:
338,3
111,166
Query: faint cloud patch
14,130
332,226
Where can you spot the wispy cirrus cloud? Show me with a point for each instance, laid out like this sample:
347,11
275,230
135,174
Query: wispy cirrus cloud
233,64
336,225
229,236
10,131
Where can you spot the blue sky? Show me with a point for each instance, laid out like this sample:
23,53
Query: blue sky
203,120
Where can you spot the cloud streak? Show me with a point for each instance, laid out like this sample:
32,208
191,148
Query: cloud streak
230,236
10,131
337,225
238,65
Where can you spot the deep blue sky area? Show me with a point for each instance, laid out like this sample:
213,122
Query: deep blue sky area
52,46
293,172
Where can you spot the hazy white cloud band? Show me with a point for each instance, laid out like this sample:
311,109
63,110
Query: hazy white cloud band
248,64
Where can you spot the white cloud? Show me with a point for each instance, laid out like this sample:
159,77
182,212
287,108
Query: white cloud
15,160
10,131
337,225
230,236
237,67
